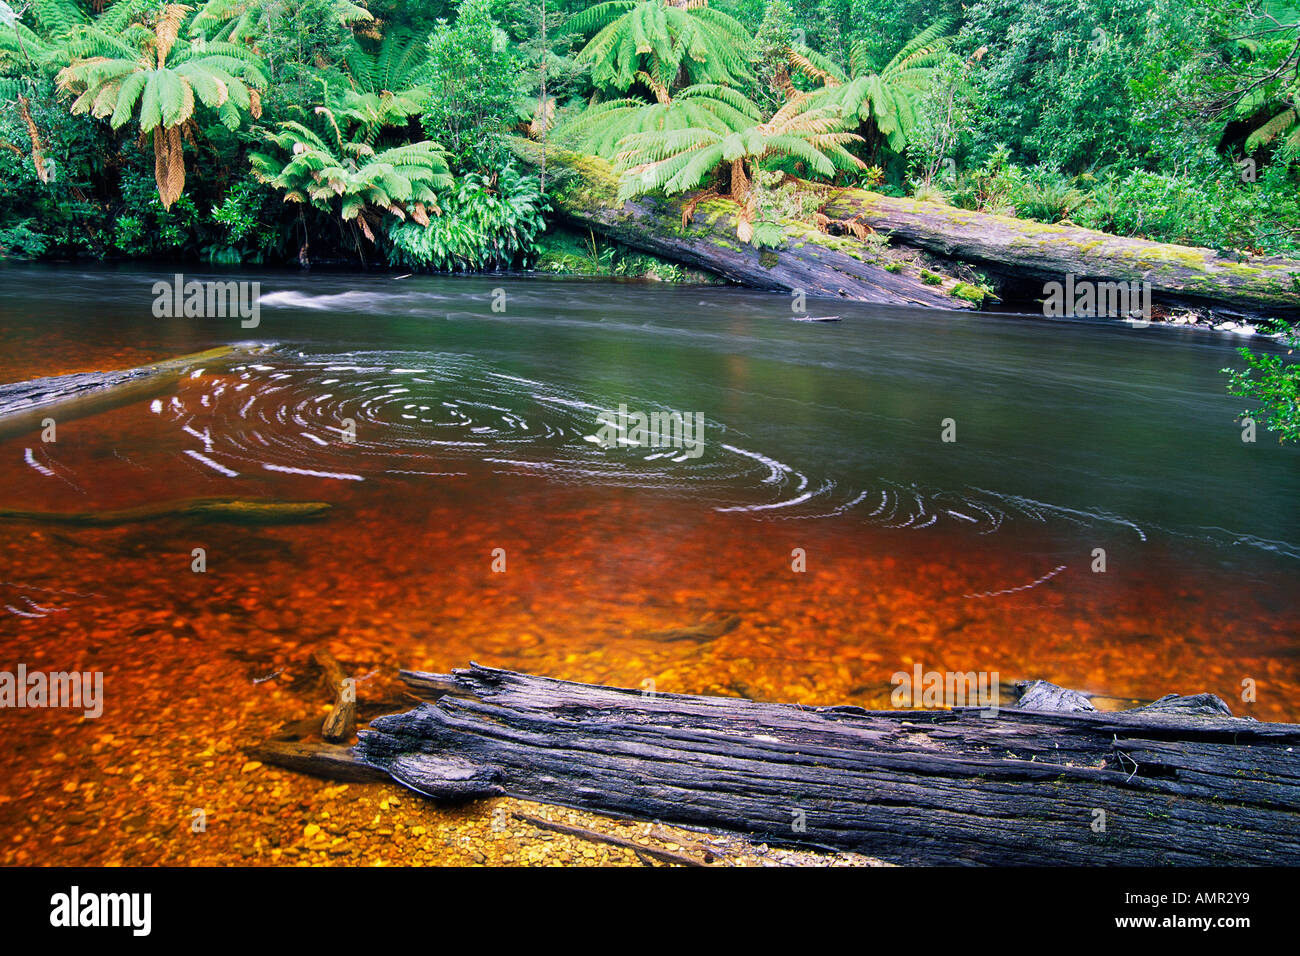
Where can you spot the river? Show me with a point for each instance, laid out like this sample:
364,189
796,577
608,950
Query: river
1095,518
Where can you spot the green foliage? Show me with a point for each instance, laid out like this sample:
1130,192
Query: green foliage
1273,382
884,99
365,182
475,77
677,158
1213,207
151,75
1122,115
21,241
304,44
653,41
483,226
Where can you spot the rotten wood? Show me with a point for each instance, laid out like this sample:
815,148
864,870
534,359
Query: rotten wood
1175,782
241,510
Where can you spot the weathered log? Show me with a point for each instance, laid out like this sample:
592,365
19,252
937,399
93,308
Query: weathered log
1050,252
585,193
25,405
1172,783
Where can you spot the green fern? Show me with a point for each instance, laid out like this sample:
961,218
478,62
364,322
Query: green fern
887,98
654,41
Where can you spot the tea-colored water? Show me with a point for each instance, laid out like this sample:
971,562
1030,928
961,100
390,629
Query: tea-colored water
471,436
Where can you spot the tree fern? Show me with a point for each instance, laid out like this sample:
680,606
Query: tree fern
123,70
655,41
350,177
730,142
885,99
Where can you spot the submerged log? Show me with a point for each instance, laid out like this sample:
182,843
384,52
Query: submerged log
240,510
25,405
1050,252
1176,782
585,193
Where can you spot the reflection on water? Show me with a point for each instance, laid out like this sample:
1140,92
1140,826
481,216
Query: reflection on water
441,431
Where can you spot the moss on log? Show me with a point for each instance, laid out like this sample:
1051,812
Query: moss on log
584,190
1050,252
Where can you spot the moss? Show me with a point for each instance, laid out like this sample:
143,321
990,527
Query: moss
894,267
971,293
931,278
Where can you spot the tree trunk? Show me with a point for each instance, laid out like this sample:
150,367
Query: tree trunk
1051,781
1049,253
584,192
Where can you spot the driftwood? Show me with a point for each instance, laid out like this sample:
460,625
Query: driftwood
1176,782
25,405
341,722
1050,252
585,193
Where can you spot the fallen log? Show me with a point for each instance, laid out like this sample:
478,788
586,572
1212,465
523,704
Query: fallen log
1176,782
25,405
585,193
1050,252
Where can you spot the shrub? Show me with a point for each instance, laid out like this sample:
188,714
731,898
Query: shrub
482,226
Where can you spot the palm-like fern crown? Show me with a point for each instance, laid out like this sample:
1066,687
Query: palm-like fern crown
675,158
247,21
600,129
657,41
399,65
887,97
127,69
400,181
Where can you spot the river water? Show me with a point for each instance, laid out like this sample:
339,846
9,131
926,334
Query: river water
476,426
453,439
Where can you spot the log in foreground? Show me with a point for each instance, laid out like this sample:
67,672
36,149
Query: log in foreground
585,193
1050,252
1180,781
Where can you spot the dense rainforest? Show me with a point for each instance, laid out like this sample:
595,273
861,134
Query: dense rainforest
380,133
